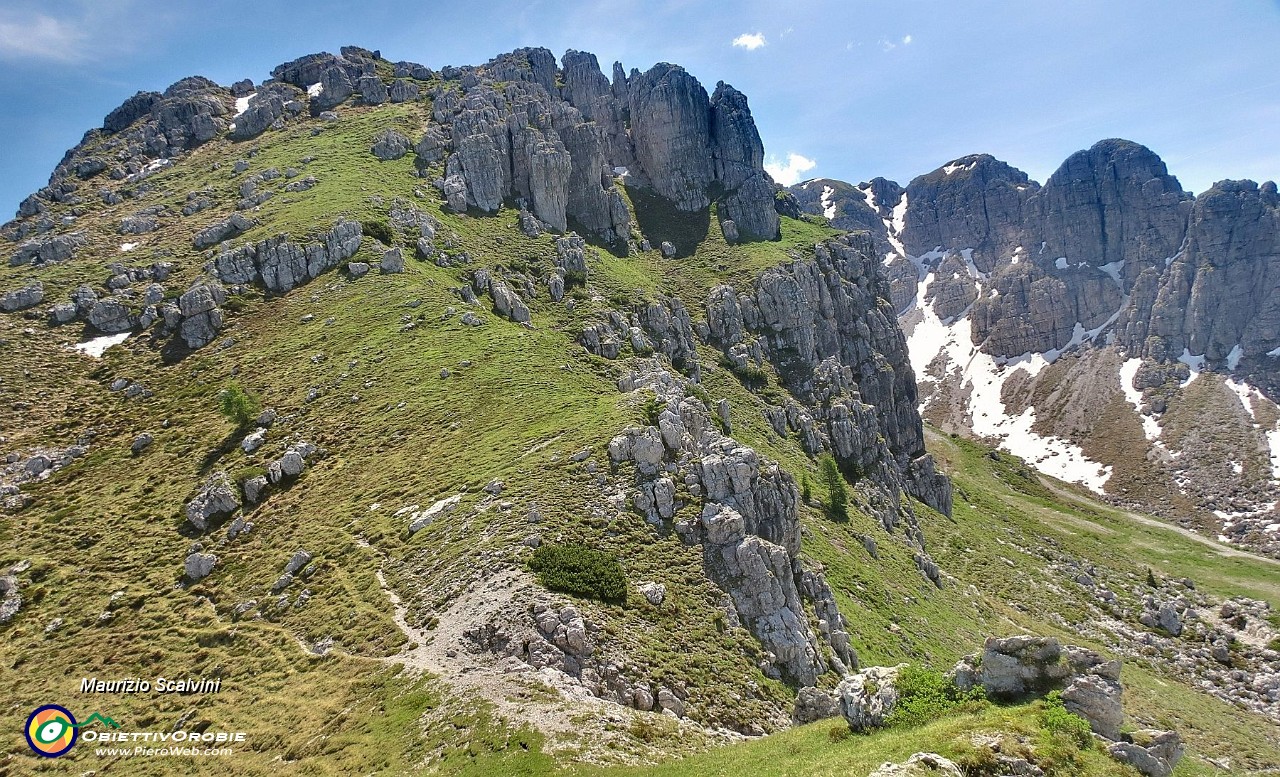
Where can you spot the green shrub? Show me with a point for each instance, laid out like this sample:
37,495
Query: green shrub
378,230
1057,719
650,410
806,491
837,490
238,406
579,570
751,375
925,694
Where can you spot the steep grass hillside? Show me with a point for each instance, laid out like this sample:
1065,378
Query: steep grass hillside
381,652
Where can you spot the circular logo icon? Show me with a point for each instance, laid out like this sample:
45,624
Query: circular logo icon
51,730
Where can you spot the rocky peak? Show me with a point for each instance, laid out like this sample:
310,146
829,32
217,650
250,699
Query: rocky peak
1115,202
975,202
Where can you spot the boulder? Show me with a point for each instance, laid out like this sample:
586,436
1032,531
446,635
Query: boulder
141,443
254,487
199,565
868,697
419,520
111,315
221,231
1153,753
390,145
920,765
216,498
201,314
297,561
392,262
815,704
655,593
20,299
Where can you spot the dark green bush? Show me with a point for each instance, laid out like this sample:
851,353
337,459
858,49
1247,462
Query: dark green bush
378,230
579,570
751,375
926,694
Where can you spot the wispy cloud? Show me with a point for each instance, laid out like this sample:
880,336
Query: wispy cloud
788,172
750,40
34,35
78,31
906,40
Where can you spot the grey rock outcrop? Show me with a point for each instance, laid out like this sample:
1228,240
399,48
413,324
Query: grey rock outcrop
281,265
216,498
222,231
827,325
49,250
920,765
814,704
1021,666
748,524
1153,753
390,145
201,314
869,697
20,299
199,565
671,129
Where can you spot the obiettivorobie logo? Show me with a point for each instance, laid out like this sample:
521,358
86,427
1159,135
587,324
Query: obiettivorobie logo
52,730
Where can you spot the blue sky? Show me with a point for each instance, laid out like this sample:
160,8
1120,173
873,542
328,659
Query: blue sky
853,89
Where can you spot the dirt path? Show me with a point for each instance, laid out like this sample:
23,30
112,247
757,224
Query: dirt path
566,714
1221,549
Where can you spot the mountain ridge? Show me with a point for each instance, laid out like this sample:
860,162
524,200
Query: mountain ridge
456,390
1109,253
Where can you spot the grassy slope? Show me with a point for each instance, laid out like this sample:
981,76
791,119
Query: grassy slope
528,398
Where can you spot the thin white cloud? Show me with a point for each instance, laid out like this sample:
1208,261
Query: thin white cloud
37,36
887,45
788,172
906,40
750,40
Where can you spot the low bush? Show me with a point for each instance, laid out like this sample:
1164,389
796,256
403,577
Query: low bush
579,570
926,694
1057,719
378,230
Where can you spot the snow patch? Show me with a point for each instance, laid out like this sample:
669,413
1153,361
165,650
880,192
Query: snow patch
955,168
126,247
1275,352
315,89
896,224
828,207
242,103
1060,262
1196,363
984,376
1233,358
974,272
97,345
869,195
1150,428
1114,269
1245,393
621,172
